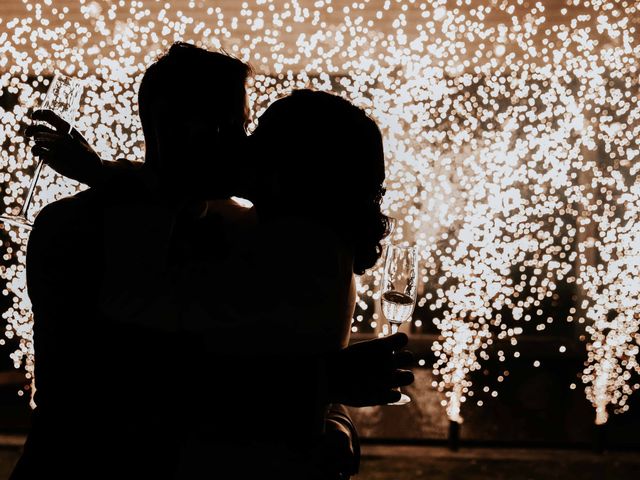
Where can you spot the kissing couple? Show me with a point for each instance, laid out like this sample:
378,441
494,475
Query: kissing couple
180,333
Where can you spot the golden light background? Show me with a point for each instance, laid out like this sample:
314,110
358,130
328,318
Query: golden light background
511,132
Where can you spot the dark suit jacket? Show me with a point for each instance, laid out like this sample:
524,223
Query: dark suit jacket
93,377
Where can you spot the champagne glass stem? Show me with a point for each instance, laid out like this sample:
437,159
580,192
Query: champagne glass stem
32,188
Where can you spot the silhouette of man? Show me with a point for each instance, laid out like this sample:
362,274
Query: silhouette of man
104,390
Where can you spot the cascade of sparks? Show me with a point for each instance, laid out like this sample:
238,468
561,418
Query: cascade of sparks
511,130
613,289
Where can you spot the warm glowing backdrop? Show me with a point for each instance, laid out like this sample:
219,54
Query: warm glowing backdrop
511,130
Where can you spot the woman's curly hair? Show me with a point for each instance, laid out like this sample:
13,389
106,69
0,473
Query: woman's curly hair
329,159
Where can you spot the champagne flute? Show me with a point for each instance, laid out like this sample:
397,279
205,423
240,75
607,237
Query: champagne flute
399,289
63,98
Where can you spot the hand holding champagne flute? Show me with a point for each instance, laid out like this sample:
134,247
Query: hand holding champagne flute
399,289
63,98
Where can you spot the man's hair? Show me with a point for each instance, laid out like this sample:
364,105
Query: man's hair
191,81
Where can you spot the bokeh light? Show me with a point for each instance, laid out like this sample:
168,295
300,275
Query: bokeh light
511,130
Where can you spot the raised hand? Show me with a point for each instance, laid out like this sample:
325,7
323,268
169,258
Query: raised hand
64,148
366,373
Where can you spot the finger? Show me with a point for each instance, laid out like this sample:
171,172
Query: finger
379,398
50,137
391,396
48,154
50,117
39,151
403,359
394,342
48,144
402,378
36,129
398,340
384,345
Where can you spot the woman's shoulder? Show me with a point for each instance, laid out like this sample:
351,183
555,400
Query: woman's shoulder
306,242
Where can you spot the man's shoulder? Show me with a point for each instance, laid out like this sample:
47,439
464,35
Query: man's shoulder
65,207
71,214
65,233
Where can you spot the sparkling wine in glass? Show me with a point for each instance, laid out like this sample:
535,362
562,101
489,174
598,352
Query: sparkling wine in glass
399,289
397,307
63,98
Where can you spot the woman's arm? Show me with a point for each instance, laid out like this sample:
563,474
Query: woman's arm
66,151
